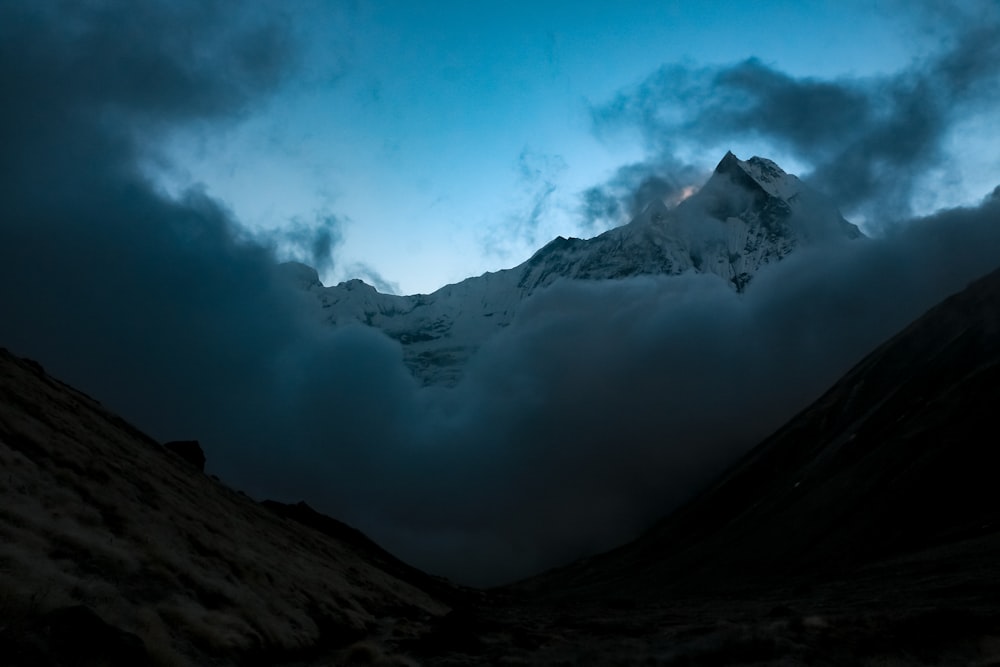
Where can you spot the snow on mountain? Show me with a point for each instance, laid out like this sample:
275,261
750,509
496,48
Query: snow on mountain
749,213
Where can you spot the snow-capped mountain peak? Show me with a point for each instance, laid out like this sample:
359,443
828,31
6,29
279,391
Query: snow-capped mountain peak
763,173
748,214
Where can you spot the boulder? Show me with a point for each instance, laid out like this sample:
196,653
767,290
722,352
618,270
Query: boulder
189,450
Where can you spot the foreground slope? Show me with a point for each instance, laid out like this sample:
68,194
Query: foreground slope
100,525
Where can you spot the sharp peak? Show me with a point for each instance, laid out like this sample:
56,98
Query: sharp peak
758,173
300,273
730,161
727,163
356,284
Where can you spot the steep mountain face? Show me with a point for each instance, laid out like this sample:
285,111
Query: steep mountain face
750,213
747,215
895,463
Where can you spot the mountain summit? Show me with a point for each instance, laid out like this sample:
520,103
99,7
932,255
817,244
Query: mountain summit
759,173
748,214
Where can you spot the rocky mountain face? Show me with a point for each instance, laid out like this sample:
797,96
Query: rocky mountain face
749,214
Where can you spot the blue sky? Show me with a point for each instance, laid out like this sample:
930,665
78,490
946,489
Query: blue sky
440,140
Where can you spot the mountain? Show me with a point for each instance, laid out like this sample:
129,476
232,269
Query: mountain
749,213
865,531
116,551
896,463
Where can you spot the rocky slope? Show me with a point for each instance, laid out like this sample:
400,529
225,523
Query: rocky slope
115,551
750,213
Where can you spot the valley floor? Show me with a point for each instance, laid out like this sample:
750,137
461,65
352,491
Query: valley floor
941,607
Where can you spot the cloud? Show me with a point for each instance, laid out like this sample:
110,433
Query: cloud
632,188
538,180
373,278
870,141
608,403
309,243
601,408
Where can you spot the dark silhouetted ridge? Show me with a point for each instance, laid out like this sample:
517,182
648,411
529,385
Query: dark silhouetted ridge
897,459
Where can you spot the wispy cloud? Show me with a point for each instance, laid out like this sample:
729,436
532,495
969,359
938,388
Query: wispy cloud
538,177
372,277
311,243
632,188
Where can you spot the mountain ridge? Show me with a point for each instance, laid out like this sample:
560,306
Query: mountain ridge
103,526
749,214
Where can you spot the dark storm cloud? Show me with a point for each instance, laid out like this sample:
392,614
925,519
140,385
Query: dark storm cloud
116,284
869,140
164,307
97,62
603,406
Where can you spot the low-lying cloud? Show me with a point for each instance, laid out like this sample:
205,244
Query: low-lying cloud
602,407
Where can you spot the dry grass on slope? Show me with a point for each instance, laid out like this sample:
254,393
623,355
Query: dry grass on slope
93,512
